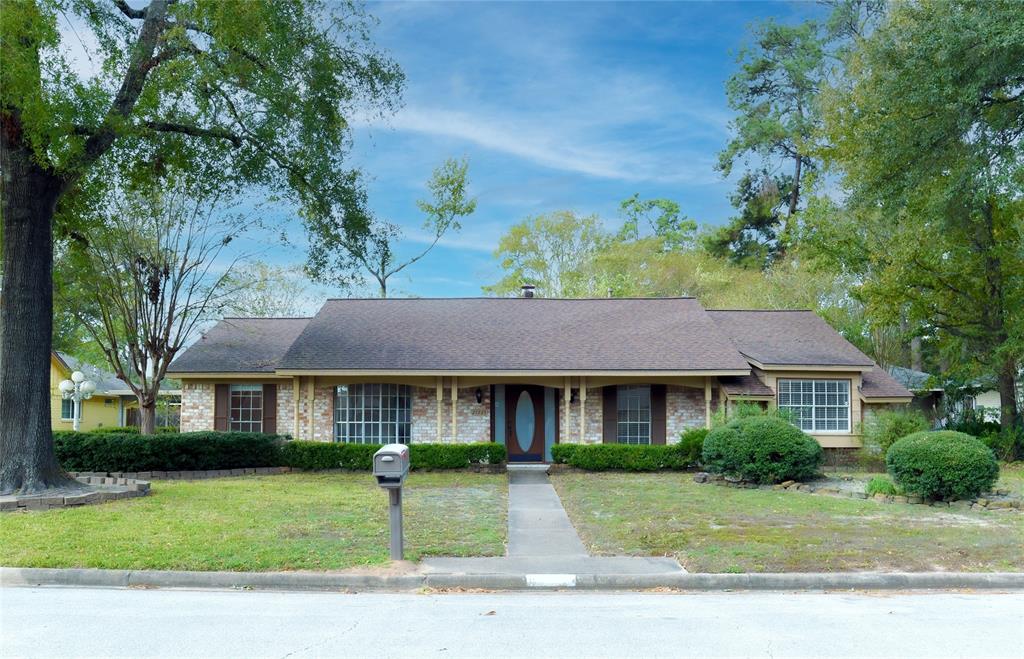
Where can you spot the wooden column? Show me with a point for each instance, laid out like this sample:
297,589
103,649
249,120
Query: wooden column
583,407
455,409
296,393
312,391
440,398
707,402
568,399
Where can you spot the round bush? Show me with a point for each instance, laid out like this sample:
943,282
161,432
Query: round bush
763,449
942,465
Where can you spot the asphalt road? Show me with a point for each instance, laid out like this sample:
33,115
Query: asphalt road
54,622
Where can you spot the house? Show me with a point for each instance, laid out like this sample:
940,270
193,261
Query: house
526,372
112,404
929,397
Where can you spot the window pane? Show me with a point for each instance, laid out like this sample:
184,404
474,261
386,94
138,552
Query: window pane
372,413
633,414
245,408
816,405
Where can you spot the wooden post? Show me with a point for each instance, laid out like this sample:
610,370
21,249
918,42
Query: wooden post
707,402
455,409
583,407
312,390
296,393
568,398
440,398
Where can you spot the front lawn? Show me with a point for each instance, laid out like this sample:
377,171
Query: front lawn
710,528
284,522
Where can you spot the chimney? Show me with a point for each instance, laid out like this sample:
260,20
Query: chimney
528,290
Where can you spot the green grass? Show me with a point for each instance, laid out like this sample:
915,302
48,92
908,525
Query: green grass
1011,477
716,529
285,522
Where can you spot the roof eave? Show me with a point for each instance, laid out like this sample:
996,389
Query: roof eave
289,372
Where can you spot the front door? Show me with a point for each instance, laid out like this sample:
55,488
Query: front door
524,423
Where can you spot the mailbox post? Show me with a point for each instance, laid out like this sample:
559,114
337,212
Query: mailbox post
390,467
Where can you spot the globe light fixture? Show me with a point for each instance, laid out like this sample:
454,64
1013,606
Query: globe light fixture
77,389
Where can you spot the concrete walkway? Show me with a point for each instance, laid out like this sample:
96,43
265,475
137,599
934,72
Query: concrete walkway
542,541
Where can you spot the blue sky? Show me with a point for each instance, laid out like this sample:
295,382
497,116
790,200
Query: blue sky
557,106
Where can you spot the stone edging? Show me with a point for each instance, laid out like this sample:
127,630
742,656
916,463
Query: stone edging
125,488
980,503
250,471
325,581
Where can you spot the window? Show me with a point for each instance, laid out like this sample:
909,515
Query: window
817,405
372,413
67,409
246,408
634,407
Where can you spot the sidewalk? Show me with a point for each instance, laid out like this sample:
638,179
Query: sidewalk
543,546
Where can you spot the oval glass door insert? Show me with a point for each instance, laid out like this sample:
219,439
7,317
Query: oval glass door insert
525,421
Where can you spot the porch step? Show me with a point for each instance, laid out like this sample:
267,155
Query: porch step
528,467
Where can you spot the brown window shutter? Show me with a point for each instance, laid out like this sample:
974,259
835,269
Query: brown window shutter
657,414
270,409
610,414
221,396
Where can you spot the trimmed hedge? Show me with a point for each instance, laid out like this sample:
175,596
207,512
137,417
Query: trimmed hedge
762,449
944,465
193,451
359,457
625,457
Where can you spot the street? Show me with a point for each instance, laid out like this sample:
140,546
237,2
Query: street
53,622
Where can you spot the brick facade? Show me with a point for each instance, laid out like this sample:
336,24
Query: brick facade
594,430
684,409
197,406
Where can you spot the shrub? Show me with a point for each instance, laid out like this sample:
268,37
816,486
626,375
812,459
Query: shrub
562,453
881,485
1007,444
194,451
942,465
763,449
625,457
884,428
359,457
691,443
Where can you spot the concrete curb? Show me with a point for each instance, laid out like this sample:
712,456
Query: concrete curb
324,581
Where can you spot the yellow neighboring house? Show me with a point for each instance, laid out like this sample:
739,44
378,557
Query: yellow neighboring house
112,404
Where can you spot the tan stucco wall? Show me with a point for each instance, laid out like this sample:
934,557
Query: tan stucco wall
827,440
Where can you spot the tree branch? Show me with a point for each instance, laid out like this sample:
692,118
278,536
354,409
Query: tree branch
128,11
193,131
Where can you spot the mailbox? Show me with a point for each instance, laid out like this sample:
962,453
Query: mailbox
391,465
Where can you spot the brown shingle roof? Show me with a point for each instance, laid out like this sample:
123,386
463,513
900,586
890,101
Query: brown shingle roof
240,345
514,334
745,385
879,384
788,338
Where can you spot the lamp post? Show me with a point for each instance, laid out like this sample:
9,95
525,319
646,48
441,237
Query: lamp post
77,389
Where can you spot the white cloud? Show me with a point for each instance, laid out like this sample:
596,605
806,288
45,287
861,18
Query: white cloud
556,146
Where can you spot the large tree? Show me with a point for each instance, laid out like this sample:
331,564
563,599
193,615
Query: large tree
927,132
342,256
774,95
553,252
260,91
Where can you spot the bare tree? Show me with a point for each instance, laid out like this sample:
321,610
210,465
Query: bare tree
265,290
340,255
155,270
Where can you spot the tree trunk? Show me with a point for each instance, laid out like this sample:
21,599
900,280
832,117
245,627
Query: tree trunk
27,461
147,416
1007,394
915,353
